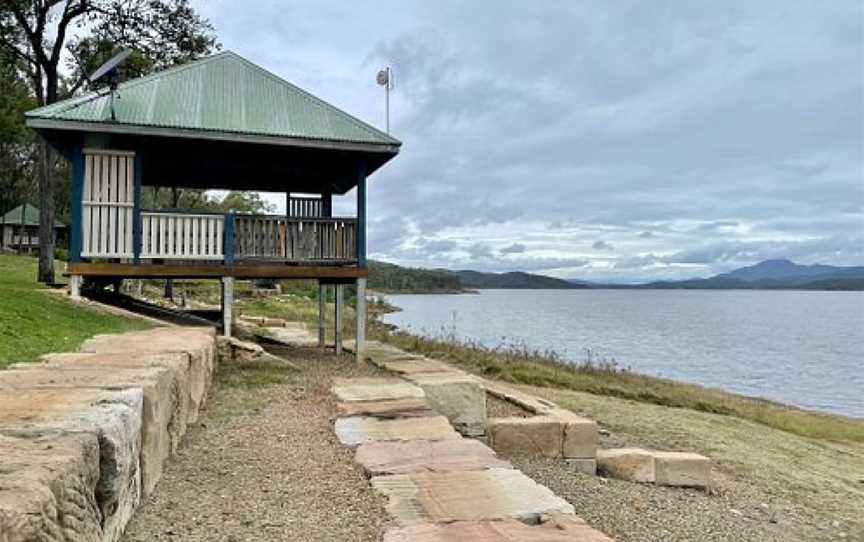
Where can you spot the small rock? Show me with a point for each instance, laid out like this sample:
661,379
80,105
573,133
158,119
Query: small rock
735,512
604,432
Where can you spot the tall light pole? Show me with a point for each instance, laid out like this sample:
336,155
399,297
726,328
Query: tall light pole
385,79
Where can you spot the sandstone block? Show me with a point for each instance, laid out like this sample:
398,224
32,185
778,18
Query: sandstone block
532,404
633,464
199,343
459,397
357,430
114,417
411,407
163,412
585,466
467,496
538,435
652,466
374,389
682,469
179,364
403,457
418,366
48,488
552,528
580,435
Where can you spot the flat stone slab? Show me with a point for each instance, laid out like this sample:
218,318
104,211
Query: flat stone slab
163,414
532,404
374,389
552,528
682,469
458,396
411,407
113,417
356,430
410,456
48,488
418,366
292,335
467,496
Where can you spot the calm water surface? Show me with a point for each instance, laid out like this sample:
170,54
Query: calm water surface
802,348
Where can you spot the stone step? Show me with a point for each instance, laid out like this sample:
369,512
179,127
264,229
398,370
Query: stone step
374,389
405,457
163,413
356,430
552,528
682,469
411,407
467,496
112,417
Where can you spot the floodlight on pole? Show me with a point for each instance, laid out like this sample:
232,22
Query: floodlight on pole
385,79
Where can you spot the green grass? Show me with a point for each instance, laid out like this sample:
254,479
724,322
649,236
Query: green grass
524,366
34,321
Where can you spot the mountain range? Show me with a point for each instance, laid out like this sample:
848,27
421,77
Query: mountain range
769,274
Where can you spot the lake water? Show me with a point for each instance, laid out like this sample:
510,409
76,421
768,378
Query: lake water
801,348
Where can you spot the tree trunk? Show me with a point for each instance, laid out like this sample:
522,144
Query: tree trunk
47,158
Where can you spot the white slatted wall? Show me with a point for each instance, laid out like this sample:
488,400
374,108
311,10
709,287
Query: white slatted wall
107,204
168,235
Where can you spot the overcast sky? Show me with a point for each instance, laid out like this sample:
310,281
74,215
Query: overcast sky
597,140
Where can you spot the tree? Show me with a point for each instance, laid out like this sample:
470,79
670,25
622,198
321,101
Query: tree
16,142
37,33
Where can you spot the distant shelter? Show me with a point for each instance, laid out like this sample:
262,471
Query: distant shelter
19,230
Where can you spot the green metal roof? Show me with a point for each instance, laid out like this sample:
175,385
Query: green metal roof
31,217
223,94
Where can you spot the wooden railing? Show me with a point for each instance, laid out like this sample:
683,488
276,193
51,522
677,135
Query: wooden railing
169,235
295,239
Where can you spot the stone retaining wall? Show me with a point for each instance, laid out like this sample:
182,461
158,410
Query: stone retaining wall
84,436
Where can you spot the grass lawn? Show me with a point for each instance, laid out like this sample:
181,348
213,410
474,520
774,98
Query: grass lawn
35,322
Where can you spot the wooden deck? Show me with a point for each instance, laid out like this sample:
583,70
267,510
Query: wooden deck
217,270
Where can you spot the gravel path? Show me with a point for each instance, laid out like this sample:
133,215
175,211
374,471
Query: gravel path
265,465
630,512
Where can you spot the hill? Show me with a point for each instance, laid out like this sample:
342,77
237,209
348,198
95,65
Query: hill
387,277
515,280
775,275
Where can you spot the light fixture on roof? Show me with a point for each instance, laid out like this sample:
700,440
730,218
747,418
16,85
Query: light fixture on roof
110,72
385,79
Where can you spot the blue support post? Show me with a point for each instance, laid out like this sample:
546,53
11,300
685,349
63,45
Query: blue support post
361,215
228,238
136,208
75,232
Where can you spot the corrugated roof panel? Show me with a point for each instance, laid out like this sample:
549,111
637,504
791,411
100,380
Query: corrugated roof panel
224,93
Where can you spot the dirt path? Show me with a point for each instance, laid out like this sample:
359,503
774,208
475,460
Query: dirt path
265,465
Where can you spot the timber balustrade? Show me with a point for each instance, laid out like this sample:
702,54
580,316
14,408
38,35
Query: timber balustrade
295,239
237,237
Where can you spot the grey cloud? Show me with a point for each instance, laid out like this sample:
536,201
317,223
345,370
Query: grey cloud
656,127
601,245
515,248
